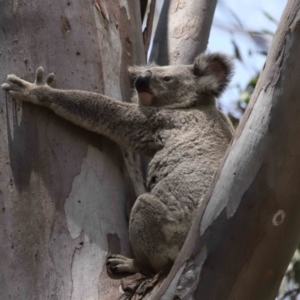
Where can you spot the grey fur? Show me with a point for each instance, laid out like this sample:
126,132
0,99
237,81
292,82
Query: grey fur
180,127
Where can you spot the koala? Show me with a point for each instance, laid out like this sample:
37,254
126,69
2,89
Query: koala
173,118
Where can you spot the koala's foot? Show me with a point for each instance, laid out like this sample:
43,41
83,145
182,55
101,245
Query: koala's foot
23,90
116,264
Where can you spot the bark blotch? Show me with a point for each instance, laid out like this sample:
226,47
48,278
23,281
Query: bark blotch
278,218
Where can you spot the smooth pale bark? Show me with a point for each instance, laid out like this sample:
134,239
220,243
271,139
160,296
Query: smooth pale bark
182,31
244,237
62,189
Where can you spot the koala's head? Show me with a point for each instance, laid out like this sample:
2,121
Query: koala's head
182,86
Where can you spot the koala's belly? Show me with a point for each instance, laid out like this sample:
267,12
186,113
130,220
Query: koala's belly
178,178
185,185
181,181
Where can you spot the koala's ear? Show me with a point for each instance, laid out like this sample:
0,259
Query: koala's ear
217,64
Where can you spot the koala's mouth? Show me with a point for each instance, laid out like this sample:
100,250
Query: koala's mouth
145,96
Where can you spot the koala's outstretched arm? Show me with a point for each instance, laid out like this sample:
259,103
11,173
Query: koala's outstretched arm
128,124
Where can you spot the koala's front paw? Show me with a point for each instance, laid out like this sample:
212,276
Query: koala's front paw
24,90
116,264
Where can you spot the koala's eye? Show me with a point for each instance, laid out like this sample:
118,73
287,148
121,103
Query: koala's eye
167,78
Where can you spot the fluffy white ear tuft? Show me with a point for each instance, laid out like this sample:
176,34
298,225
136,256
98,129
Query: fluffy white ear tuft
217,64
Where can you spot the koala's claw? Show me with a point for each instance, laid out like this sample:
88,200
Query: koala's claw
39,75
50,79
5,86
18,81
116,264
21,83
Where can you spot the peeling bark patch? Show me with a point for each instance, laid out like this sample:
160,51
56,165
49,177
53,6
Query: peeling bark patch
186,280
71,274
123,3
111,51
191,275
97,6
91,197
278,218
100,6
65,25
90,209
170,292
179,4
188,29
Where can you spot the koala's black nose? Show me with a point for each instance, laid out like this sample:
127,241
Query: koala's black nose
142,82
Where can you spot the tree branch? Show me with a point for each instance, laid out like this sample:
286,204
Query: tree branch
182,31
148,30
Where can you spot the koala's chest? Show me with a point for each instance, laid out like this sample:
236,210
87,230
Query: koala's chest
183,154
184,168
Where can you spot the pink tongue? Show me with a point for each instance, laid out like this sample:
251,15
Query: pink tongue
145,99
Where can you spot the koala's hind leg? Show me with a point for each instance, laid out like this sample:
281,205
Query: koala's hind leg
156,237
153,233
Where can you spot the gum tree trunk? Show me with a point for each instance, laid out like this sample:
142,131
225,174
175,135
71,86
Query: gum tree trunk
182,31
244,237
62,189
